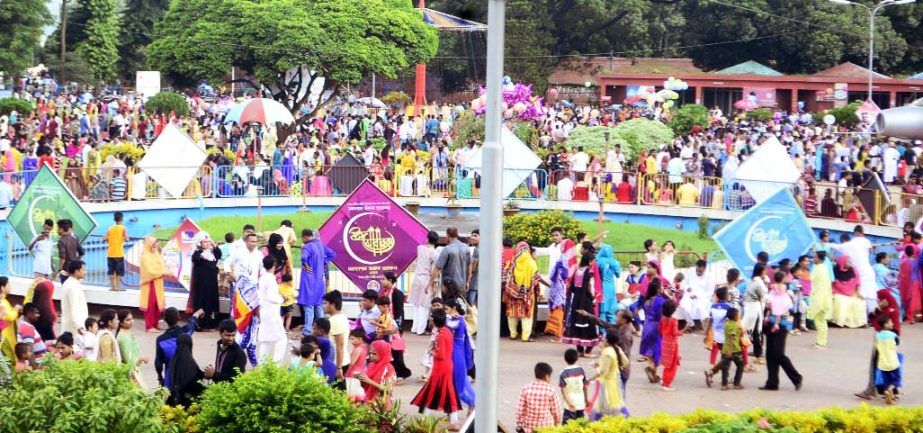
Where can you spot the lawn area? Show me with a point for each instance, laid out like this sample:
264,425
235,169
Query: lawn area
631,237
218,226
622,236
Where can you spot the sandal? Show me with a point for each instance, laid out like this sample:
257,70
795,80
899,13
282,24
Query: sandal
709,380
651,374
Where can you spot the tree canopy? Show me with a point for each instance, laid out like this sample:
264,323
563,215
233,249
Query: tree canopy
791,36
99,50
22,22
286,46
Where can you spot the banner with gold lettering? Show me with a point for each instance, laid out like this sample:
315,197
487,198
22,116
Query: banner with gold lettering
372,234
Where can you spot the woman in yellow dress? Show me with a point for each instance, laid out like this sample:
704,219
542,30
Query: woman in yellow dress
607,395
821,308
8,316
153,269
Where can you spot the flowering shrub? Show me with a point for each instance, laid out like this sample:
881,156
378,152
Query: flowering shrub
535,228
125,148
862,419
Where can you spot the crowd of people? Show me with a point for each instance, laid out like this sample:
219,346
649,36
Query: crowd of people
89,140
594,306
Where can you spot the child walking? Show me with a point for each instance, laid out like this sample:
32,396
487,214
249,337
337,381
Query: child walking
573,387
669,352
731,351
889,364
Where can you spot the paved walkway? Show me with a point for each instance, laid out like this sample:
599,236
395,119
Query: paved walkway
831,376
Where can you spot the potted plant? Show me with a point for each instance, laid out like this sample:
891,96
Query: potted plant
453,208
510,208
412,207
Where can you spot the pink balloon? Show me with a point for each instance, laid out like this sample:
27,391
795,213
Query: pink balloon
552,93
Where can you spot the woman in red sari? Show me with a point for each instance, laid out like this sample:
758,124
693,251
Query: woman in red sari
438,392
379,375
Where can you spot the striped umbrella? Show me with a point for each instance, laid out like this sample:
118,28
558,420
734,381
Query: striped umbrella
259,110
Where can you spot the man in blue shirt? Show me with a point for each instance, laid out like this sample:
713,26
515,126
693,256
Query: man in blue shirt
166,342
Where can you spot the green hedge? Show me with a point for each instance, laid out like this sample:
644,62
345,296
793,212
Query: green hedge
271,399
862,419
78,397
21,106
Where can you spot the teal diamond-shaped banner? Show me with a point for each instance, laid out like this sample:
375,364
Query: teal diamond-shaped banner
47,197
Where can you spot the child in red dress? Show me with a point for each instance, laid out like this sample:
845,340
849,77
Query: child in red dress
438,392
670,333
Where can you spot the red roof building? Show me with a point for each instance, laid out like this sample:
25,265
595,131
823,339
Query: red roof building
826,89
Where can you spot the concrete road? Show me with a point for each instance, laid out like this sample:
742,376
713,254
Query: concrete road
830,376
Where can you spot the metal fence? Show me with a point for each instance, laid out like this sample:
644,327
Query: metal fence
828,200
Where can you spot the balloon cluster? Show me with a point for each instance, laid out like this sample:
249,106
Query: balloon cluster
675,84
518,101
652,97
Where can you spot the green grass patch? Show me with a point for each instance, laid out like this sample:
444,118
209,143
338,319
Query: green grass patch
218,226
622,236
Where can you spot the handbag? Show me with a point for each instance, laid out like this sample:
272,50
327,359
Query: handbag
354,389
398,343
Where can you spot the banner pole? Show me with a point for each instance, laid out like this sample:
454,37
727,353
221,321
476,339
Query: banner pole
488,342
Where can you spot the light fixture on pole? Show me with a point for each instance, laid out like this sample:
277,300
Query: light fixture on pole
872,12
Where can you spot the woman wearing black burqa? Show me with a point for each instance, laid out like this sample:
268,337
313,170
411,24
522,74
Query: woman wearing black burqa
204,280
185,375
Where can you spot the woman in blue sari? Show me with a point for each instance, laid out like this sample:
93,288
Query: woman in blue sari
650,334
462,353
609,270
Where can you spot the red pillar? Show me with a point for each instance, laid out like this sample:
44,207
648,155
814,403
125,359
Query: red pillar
419,88
793,108
700,94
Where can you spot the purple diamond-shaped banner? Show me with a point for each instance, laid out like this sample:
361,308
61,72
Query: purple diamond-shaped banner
372,234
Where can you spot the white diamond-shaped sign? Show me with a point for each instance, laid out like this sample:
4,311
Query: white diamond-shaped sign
767,171
519,162
173,160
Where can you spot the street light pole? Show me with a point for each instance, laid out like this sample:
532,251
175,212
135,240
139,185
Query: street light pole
872,12
488,343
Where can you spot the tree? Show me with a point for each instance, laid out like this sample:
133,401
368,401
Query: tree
529,45
99,49
791,36
167,103
688,117
22,22
75,16
286,46
136,33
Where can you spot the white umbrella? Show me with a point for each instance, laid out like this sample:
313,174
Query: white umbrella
372,102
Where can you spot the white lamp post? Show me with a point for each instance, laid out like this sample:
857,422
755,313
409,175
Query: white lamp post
872,12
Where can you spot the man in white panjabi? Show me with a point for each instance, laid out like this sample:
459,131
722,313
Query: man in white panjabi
697,295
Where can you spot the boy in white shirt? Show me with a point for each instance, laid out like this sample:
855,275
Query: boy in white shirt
88,341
